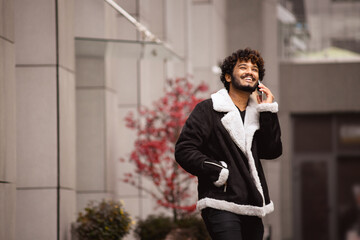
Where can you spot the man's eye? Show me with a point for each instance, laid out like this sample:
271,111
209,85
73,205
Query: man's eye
255,70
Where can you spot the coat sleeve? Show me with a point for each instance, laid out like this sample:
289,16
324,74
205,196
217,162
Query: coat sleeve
268,138
189,149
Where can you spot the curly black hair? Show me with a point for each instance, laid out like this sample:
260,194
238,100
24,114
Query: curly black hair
246,54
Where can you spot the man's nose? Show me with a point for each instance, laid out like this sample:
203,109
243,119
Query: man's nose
249,72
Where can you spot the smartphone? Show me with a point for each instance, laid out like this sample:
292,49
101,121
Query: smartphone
260,93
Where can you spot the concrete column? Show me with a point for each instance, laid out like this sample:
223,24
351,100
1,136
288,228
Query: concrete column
107,87
177,33
208,40
94,100
97,101
244,20
45,119
7,122
110,83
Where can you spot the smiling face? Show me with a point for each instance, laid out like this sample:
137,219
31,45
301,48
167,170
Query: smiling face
245,76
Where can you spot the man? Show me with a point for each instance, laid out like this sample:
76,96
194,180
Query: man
222,142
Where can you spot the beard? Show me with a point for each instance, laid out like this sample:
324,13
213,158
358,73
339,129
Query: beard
239,86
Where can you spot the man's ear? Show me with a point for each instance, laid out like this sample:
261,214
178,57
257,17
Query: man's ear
227,77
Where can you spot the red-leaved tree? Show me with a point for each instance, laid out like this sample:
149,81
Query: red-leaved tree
158,129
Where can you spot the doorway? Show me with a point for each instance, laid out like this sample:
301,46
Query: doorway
326,176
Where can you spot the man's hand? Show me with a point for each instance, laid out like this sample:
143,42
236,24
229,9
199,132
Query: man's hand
267,92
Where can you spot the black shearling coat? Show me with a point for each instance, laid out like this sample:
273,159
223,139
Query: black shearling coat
224,153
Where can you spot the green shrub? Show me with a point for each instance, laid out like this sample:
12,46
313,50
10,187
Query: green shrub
105,221
158,227
154,227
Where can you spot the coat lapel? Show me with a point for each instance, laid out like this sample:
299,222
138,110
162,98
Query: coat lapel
242,136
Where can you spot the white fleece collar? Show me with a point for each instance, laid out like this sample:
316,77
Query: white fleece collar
241,133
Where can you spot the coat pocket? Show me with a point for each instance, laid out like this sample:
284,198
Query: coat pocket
214,164
223,175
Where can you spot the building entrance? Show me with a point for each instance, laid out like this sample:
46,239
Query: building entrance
326,176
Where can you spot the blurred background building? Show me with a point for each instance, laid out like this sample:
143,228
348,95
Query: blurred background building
70,70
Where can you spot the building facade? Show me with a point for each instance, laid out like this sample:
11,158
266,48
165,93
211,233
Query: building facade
71,70
319,78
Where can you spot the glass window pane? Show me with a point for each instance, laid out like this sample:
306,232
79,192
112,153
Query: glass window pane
348,132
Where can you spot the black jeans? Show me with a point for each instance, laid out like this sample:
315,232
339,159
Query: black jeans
223,225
